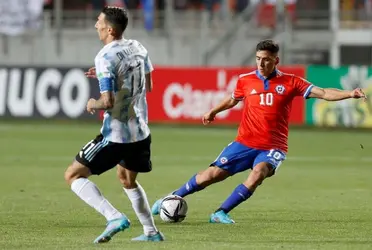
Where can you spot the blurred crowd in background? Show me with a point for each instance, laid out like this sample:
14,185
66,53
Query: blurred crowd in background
352,9
236,5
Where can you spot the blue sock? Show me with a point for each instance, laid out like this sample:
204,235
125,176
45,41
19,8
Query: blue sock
189,187
240,194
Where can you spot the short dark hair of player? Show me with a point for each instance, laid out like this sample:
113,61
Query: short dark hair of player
268,45
117,18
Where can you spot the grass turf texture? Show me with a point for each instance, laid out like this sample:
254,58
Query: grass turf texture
320,198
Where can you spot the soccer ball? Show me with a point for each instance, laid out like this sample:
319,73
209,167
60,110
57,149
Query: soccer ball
173,209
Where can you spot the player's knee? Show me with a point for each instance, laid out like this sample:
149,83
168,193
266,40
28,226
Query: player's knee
271,172
259,175
70,175
212,175
219,174
125,179
75,171
255,178
127,182
122,178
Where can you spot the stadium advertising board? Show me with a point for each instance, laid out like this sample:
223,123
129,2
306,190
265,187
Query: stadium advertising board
45,92
347,113
183,95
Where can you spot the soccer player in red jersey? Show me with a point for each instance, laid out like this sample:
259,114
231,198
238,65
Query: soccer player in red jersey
261,143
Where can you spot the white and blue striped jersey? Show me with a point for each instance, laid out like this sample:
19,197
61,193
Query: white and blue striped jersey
121,67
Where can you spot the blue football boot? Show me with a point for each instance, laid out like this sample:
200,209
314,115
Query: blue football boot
112,228
155,209
157,237
221,217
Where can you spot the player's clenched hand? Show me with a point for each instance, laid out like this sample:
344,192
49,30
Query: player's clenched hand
358,93
90,106
91,73
208,118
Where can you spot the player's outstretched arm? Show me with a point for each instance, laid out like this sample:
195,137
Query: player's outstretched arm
330,94
225,104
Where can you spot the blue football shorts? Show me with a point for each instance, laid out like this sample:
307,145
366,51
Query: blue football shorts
237,157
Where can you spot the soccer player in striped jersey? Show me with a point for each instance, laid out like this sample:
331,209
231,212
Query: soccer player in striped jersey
123,69
261,143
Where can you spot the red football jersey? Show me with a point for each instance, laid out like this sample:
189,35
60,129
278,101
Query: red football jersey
267,106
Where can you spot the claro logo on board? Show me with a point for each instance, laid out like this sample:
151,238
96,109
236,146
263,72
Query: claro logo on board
192,101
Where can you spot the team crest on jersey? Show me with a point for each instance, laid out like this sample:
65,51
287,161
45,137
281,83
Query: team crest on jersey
280,89
223,160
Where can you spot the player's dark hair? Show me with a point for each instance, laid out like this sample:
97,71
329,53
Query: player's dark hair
268,45
117,17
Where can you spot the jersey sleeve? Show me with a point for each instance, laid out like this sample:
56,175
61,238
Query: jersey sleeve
148,65
302,87
238,93
105,74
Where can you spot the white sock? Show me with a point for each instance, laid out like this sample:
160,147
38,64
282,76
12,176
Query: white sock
141,206
89,192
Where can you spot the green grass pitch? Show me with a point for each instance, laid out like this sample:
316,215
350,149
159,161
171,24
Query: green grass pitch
319,199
